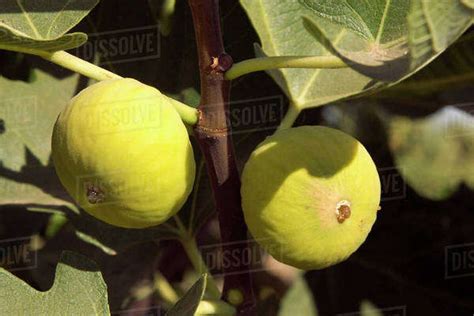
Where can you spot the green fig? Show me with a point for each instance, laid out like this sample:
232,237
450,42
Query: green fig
310,196
122,152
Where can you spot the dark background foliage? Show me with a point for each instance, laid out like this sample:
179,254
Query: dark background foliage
402,262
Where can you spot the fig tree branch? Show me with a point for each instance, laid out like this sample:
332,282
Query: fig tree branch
213,133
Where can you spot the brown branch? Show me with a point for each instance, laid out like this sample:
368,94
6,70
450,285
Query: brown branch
213,134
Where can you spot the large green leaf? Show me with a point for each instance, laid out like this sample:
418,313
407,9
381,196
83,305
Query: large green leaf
371,36
282,32
29,111
435,154
308,28
78,289
42,25
434,25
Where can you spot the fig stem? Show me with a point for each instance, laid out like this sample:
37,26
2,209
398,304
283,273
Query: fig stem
190,247
188,114
79,65
290,117
273,62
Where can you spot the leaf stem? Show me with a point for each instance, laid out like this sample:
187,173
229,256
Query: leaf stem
290,117
266,63
191,249
166,16
79,65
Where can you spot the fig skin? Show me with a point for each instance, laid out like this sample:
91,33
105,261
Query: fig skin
310,196
122,152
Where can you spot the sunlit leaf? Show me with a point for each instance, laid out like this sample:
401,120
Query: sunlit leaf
371,37
42,25
78,289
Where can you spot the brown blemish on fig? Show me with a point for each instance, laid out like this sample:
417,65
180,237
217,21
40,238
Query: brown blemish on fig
343,211
94,194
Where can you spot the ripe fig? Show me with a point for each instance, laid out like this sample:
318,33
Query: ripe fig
122,152
310,196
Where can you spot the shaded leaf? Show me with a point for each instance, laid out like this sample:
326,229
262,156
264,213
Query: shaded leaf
188,304
455,67
29,111
435,154
298,300
19,193
112,239
468,3
42,25
78,289
434,25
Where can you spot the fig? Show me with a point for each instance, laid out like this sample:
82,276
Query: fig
310,196
123,153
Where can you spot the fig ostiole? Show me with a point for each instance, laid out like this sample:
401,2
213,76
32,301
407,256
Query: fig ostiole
310,196
122,152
